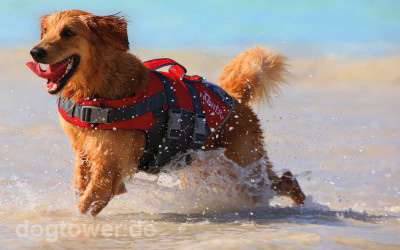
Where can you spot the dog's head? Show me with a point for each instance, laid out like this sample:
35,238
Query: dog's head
70,42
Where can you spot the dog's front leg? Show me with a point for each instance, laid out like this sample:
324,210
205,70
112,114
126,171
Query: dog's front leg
111,156
81,172
105,176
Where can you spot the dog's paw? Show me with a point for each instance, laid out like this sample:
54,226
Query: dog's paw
289,186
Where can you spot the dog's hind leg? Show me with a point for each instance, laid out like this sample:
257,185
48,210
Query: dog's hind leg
288,186
243,140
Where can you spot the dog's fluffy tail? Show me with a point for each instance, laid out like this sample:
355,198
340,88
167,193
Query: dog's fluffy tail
254,75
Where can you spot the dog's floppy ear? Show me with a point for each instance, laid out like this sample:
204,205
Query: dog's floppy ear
43,29
111,29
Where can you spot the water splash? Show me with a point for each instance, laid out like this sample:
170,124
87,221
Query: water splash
210,183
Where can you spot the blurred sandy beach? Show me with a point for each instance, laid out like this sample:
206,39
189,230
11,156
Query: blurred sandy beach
322,69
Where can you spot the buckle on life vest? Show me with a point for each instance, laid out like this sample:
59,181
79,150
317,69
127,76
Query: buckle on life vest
92,114
174,123
199,131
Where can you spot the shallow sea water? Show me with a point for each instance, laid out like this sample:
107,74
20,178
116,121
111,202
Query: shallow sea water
340,139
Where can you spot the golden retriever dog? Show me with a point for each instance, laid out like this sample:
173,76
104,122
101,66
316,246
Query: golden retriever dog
93,52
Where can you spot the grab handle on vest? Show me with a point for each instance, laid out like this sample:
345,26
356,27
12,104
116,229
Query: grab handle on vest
177,69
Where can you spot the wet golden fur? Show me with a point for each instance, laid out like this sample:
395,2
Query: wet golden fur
107,70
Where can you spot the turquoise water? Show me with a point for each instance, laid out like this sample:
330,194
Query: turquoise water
223,23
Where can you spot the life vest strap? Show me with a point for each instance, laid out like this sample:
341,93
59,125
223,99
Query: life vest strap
106,115
200,132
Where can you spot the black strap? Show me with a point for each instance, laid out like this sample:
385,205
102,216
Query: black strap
151,104
169,90
201,130
198,106
94,114
154,138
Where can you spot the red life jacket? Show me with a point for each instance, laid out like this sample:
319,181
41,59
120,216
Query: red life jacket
177,112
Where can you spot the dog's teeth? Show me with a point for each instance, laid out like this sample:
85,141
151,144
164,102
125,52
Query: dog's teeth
69,66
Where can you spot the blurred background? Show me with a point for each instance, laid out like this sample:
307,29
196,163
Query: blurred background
330,26
336,125
353,30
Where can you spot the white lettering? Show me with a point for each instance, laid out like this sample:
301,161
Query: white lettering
207,99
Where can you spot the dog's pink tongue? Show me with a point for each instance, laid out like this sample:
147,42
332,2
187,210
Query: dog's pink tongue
54,71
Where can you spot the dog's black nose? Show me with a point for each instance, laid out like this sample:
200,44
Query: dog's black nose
38,53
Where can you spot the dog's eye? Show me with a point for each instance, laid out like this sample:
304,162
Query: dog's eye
67,33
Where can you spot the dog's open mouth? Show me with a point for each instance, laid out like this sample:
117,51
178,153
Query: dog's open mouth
57,74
